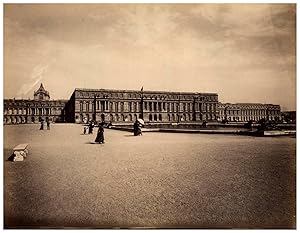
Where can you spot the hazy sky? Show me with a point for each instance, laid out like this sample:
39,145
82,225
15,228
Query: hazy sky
243,52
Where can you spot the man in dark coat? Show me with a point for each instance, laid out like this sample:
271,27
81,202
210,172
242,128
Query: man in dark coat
91,126
48,125
42,125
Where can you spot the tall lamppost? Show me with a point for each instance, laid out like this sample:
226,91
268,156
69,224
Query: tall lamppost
94,108
142,103
27,109
178,114
194,108
225,114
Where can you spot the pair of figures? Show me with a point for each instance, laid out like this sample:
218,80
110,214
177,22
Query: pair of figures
42,125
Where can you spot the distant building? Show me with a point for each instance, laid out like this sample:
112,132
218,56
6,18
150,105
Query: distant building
18,111
244,112
152,106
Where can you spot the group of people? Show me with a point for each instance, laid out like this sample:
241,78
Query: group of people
100,134
90,127
137,130
42,124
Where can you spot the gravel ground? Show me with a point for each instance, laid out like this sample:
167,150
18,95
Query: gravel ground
162,180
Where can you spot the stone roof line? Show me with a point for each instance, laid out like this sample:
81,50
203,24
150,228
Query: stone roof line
146,92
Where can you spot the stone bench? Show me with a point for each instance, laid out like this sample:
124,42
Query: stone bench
20,152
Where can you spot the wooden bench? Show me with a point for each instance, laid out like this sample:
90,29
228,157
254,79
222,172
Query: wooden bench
20,152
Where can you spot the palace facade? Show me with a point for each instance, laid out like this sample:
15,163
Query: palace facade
152,106
18,111
120,106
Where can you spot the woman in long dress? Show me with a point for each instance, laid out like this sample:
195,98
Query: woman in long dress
100,134
135,128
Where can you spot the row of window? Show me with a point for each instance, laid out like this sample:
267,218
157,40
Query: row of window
32,111
146,96
22,119
248,118
148,106
249,112
38,104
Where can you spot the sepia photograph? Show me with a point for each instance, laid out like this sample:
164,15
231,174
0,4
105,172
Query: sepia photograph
149,116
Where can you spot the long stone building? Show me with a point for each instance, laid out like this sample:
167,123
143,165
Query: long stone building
128,105
244,112
152,106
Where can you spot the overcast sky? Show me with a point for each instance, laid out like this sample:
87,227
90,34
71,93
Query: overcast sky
243,52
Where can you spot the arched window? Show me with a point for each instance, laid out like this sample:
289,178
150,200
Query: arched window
155,117
159,117
150,117
173,117
116,107
81,106
129,106
155,106
87,106
122,107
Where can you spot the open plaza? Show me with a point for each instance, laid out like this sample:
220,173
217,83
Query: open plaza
161,180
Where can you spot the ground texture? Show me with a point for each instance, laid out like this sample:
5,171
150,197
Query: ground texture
162,180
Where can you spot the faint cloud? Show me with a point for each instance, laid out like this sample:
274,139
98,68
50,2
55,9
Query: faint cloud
37,74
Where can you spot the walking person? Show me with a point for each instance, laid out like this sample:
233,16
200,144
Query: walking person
48,125
139,132
100,134
91,126
84,130
42,125
135,128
